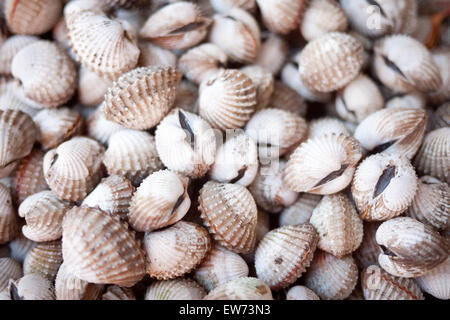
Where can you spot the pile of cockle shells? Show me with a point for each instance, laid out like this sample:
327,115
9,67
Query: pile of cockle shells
224,149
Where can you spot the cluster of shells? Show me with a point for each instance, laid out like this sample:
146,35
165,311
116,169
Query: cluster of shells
224,149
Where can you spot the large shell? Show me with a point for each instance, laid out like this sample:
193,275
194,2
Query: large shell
92,87
44,259
175,251
118,293
436,281
241,289
177,289
8,216
99,128
272,53
74,168
330,277
99,248
442,59
281,16
331,61
301,293
69,287
300,211
31,287
263,81
10,48
368,251
229,211
384,186
285,98
284,254
323,165
9,269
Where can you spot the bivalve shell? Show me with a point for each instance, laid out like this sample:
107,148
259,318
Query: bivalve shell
31,287
285,98
301,293
8,216
69,287
118,293
91,87
9,269
177,289
99,128
281,16
300,211
436,281
327,126
10,48
241,289
44,259
263,81
272,53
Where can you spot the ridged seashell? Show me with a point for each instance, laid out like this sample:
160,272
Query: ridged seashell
359,99
272,53
142,97
413,99
44,213
57,125
227,100
331,278
177,289
48,74
132,154
175,251
431,204
99,248
384,186
436,281
263,81
301,293
327,126
69,287
18,133
284,254
300,211
186,143
331,61
285,98
74,168
118,293
219,267
237,34
10,48
177,26
113,195
323,165
99,128
442,59
441,117
377,284
230,214
9,269
44,259
337,222
409,247
12,99
321,17
397,131
241,289
403,75
8,216
32,16
31,287
367,253
433,157
281,16
20,247
223,6
92,87
104,46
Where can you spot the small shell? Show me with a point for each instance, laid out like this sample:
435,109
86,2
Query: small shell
241,289
20,247
272,54
413,99
281,16
323,165
327,126
331,61
177,289
31,287
10,48
227,100
417,72
433,157
263,81
330,277
99,128
48,74
175,251
113,195
8,217
441,117
229,211
396,131
118,293
44,213
300,212
176,26
367,253
92,87
69,287
284,254
152,55
9,269
219,267
377,284
186,143
285,98
44,259
301,293
132,154
74,168
32,16
223,6
442,59
99,248
436,281
142,97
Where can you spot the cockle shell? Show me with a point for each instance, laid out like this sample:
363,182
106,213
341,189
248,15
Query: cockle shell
281,16
433,157
300,211
331,61
9,269
92,87
118,293
175,251
263,81
323,165
413,99
12,98
436,281
442,59
31,287
367,253
227,100
44,259
285,98
152,55
32,16
230,214
220,266
44,213
177,289
409,247
69,287
377,284
441,117
113,194
132,154
284,254
57,125
142,97
223,6
20,247
99,248
99,128
10,48
417,72
301,293
186,143
327,126
241,289
74,168
8,216
272,53
331,278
